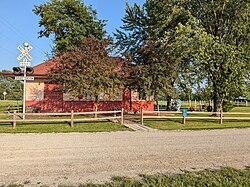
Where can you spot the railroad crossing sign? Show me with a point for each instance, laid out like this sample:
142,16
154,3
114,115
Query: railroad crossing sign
24,52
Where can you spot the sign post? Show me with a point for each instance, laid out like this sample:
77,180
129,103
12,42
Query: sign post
4,94
24,64
184,115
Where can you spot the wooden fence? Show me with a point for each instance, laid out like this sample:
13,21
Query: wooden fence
178,115
15,118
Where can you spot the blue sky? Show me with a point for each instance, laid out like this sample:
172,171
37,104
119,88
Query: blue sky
18,24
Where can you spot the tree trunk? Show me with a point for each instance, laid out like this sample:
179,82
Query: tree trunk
158,107
96,106
217,102
168,103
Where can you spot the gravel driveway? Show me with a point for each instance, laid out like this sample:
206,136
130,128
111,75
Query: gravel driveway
52,159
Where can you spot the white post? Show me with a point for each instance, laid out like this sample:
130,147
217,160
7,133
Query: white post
122,116
4,94
24,90
72,119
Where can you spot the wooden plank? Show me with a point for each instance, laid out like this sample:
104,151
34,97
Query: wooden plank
6,120
66,119
97,119
69,114
43,120
122,117
239,113
200,117
100,112
72,119
178,117
240,118
162,117
10,114
142,116
161,112
173,112
14,120
47,114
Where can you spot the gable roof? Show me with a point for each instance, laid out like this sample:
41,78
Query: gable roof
43,68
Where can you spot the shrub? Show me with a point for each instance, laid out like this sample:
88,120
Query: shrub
227,106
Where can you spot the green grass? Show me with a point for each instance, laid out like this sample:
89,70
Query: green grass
225,177
93,126
241,109
10,102
14,105
191,124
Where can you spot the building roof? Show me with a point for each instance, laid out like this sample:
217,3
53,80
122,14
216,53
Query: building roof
43,68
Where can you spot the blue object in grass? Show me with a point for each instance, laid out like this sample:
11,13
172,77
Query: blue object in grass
184,112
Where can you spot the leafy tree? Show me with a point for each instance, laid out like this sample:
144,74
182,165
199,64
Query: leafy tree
12,87
148,36
198,42
68,21
88,70
223,56
246,92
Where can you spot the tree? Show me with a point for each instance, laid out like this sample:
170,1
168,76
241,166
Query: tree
198,42
13,88
88,70
223,56
148,36
68,21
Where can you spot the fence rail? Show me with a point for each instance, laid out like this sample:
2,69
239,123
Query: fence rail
17,117
176,115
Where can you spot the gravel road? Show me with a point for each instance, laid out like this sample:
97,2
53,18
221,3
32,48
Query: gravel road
70,159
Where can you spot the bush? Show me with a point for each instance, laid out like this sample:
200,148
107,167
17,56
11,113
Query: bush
227,106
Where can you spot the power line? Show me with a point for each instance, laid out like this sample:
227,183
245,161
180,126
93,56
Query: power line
13,29
10,52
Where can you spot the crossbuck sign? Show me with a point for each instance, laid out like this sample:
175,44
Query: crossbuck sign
24,53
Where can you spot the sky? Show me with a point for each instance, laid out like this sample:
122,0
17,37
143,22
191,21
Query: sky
18,24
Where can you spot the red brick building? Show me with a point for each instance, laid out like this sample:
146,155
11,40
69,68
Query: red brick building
40,93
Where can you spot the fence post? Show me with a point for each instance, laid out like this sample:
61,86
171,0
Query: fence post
141,116
122,117
72,119
184,120
221,116
184,114
14,120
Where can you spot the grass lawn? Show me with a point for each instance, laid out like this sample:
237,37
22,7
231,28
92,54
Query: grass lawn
90,126
200,124
14,105
224,177
241,109
227,177
194,124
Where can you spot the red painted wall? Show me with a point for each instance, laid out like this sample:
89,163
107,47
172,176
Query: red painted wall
53,101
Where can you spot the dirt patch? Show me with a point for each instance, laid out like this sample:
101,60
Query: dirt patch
73,158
